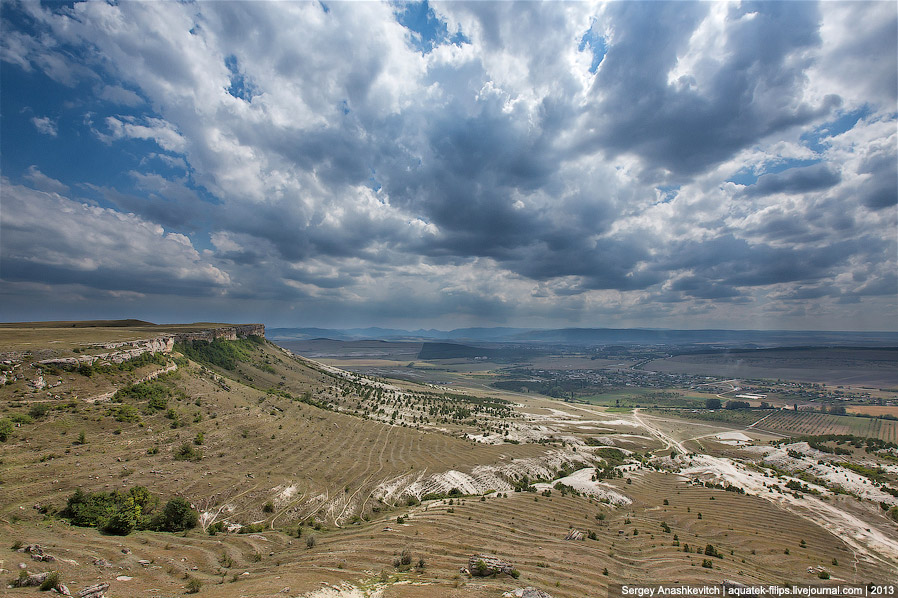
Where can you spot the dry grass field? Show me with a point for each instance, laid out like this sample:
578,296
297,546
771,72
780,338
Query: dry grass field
291,449
57,337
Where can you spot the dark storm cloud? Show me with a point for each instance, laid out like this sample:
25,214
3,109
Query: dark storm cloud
702,288
736,262
702,119
880,189
816,177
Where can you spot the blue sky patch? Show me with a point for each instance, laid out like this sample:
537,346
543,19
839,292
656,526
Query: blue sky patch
596,45
240,87
845,122
428,30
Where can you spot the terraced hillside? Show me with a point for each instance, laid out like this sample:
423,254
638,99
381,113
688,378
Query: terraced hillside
303,475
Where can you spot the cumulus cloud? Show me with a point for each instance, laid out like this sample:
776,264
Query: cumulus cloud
599,158
45,125
48,237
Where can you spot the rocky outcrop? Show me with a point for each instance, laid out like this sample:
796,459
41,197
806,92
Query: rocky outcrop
134,349
574,535
29,581
483,565
227,333
37,553
119,352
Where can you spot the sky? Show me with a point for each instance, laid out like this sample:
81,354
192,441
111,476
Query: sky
345,164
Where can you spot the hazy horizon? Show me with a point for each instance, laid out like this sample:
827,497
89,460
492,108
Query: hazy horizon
668,165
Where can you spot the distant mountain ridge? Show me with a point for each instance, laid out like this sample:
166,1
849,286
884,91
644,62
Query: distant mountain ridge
599,336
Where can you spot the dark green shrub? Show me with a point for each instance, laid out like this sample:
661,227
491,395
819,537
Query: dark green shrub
127,413
6,429
85,509
117,512
50,582
187,452
39,410
177,516
224,354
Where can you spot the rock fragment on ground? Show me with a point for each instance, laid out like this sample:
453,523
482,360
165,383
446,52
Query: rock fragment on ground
94,591
528,592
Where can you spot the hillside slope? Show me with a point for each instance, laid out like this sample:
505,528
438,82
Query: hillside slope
272,449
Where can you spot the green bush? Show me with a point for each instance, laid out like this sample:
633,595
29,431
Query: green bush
224,354
115,513
177,516
121,521
85,509
127,414
187,452
122,512
145,391
39,410
50,582
6,429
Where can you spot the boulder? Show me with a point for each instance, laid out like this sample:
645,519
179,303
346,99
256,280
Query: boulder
33,580
487,564
574,534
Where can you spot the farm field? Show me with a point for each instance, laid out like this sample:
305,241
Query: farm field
800,423
876,368
321,480
874,410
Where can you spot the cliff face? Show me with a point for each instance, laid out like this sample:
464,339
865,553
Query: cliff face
227,333
131,349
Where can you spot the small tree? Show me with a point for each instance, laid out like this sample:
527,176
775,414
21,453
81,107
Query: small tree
177,516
